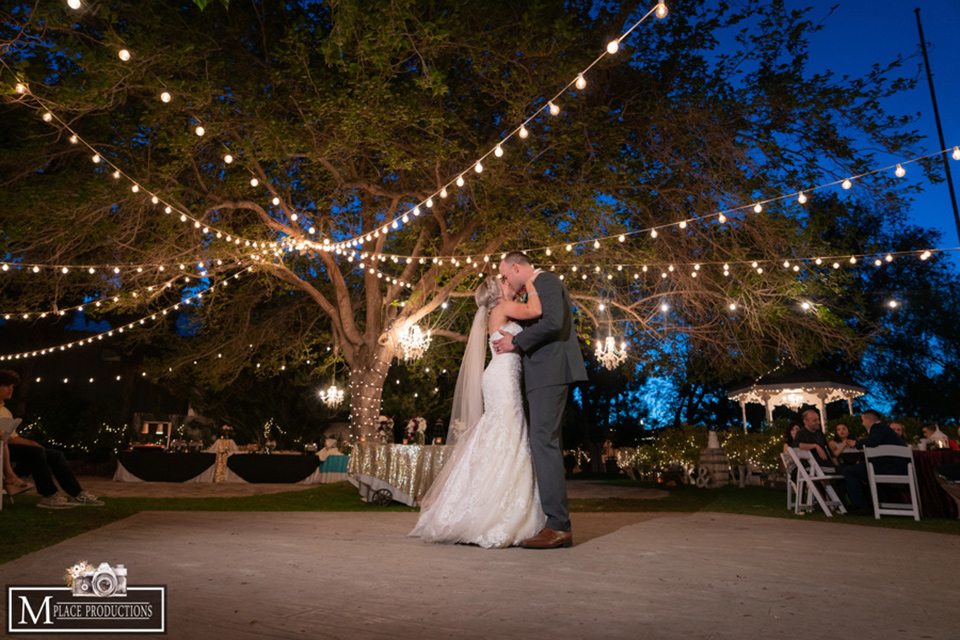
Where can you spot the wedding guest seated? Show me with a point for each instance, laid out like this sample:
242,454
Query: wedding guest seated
937,439
810,438
842,445
898,429
42,463
791,436
878,434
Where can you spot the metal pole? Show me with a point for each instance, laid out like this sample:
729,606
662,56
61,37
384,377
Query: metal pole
936,115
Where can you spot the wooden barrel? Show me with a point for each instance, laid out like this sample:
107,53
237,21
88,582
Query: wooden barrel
715,462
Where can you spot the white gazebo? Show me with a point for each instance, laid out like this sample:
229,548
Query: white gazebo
804,387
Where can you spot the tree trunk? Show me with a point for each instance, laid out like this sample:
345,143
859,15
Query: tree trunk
367,376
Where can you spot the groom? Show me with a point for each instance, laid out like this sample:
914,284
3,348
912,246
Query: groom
551,363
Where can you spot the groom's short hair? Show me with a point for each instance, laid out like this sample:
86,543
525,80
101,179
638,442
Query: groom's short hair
517,257
8,377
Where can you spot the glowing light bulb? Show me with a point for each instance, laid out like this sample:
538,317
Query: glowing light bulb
900,171
96,158
228,158
429,202
199,131
74,139
155,200
801,198
721,218
661,10
165,96
613,46
275,201
581,81
956,153
683,224
554,109
758,208
478,167
523,132
596,244
653,233
443,192
124,54
893,304
733,306
622,238
47,117
498,151
294,217
73,4
664,307
135,188
847,184
254,182
21,88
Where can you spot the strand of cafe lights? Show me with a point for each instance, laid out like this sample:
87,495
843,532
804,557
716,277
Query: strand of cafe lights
159,315
136,186
141,295
721,217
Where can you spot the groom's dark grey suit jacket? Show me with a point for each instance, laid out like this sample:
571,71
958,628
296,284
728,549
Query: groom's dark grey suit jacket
551,353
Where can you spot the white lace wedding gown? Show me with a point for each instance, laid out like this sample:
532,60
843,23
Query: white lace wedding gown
486,494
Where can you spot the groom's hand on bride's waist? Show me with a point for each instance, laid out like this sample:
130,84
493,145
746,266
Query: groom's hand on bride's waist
504,344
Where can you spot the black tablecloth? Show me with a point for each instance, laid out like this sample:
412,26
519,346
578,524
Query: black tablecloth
277,468
936,502
167,467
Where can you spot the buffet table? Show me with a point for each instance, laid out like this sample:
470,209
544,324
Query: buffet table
284,468
406,471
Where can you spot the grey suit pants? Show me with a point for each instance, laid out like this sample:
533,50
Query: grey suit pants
546,413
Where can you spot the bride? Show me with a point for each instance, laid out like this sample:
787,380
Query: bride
486,494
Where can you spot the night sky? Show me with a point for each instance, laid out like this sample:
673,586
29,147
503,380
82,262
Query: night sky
860,33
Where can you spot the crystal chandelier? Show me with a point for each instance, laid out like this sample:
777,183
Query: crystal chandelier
609,355
414,343
332,396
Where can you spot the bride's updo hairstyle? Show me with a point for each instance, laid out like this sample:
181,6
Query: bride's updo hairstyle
487,293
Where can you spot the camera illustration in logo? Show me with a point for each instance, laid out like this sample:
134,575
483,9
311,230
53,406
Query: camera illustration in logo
104,581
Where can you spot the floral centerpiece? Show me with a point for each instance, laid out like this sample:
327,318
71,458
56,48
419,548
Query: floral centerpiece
417,430
385,429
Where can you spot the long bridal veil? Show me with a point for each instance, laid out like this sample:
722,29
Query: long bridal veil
468,396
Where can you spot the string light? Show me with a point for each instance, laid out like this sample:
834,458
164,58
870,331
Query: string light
613,46
165,96
110,333
900,171
124,55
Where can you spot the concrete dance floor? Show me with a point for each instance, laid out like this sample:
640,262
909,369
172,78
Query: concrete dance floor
357,575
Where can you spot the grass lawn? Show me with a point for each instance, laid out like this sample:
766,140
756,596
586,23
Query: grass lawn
25,529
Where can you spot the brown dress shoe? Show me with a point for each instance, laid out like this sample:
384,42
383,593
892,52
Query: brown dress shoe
548,539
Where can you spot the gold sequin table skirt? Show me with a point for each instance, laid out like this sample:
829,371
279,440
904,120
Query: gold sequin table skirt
406,470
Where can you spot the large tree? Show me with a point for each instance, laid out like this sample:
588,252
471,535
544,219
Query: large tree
339,120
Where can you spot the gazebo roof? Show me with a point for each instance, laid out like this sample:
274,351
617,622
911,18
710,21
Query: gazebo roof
804,386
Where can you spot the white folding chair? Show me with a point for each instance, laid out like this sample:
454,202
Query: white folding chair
790,467
810,479
912,508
